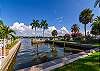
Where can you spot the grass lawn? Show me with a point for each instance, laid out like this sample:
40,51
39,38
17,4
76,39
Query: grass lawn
97,44
90,63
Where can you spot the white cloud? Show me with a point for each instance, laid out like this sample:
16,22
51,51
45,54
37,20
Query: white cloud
59,19
20,26
24,30
64,29
21,29
51,28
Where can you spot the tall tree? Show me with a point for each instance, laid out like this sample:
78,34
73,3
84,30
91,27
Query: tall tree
96,26
44,25
35,24
1,24
54,33
75,28
85,17
1,31
13,37
97,2
7,31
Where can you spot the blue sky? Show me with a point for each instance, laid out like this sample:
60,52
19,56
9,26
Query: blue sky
56,12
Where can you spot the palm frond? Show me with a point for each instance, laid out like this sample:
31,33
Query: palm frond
97,2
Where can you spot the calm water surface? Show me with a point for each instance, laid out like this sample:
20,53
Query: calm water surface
30,55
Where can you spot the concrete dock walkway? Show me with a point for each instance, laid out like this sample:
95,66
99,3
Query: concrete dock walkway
6,62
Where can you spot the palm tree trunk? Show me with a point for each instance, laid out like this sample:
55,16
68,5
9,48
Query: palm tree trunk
11,41
6,41
35,33
85,30
43,32
54,38
3,47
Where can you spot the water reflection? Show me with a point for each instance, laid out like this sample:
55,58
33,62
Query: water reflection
53,51
30,55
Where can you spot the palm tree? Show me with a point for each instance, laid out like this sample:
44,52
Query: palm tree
93,31
44,25
2,35
97,2
54,33
85,17
96,26
5,31
1,24
35,24
75,28
13,37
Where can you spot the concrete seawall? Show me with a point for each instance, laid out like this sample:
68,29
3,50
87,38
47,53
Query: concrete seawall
8,60
72,45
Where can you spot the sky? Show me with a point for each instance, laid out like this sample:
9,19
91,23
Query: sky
58,13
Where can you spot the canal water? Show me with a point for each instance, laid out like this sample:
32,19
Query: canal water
33,54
